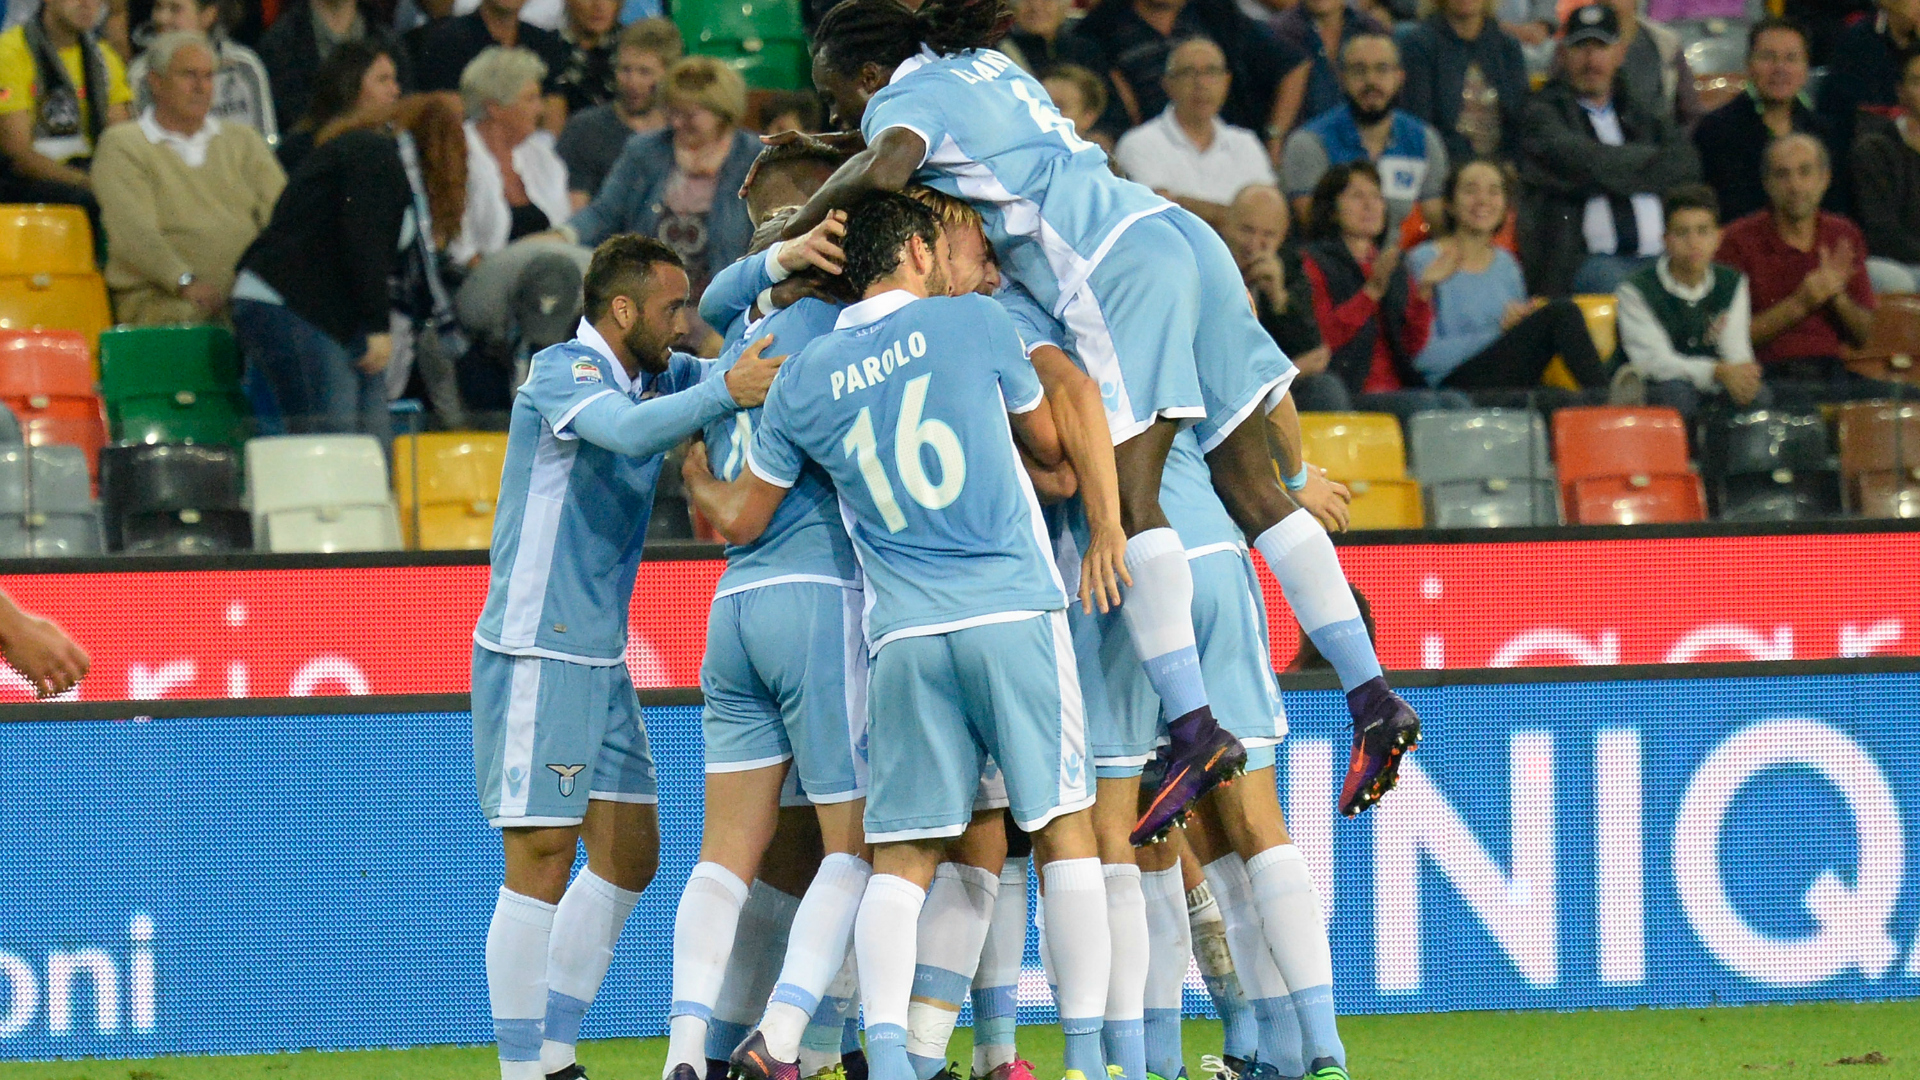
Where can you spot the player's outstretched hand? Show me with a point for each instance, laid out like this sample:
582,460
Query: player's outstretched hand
42,652
1324,499
820,247
750,376
1103,570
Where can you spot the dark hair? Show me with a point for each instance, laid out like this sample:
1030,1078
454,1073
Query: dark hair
878,227
1452,187
1690,197
621,266
884,32
802,103
1323,218
336,85
1776,22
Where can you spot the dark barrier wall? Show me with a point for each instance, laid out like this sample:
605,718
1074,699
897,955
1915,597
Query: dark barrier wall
271,882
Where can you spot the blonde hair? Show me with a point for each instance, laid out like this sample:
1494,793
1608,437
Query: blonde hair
497,76
950,212
661,37
709,84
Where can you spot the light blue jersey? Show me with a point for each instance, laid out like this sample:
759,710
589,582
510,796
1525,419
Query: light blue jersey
806,540
995,139
905,405
584,450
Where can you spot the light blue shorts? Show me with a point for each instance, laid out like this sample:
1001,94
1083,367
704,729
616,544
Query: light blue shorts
1230,626
942,704
1165,327
785,678
1123,712
550,734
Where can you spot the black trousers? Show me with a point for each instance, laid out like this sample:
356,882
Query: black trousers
1522,354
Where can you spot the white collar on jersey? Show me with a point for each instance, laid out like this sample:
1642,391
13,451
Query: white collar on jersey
912,64
591,338
874,308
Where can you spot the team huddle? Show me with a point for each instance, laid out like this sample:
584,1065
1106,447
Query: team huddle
989,442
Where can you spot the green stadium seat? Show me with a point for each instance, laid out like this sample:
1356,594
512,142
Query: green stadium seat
173,384
761,39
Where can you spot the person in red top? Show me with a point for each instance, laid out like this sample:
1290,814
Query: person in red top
1807,272
1370,316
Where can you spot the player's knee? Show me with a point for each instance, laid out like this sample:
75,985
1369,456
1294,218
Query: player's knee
1069,836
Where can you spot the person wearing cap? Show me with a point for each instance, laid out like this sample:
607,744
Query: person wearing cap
1593,165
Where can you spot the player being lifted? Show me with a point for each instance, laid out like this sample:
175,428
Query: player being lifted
919,409
560,754
1159,318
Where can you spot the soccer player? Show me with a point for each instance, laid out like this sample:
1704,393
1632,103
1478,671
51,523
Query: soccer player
560,754
1159,316
970,650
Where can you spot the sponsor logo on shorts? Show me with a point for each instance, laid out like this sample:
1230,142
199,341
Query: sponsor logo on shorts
586,371
1073,769
567,773
516,780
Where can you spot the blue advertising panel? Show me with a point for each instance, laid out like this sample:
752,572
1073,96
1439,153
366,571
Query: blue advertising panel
240,884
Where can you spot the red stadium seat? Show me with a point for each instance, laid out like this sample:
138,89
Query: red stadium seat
1636,500
46,378
1605,441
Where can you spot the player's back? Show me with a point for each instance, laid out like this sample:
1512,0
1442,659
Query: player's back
994,138
905,405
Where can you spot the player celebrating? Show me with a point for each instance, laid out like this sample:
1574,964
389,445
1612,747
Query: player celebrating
1159,318
559,751
970,650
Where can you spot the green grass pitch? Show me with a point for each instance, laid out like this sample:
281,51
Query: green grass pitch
1832,1040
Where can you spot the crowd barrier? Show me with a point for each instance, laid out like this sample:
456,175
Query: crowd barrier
283,874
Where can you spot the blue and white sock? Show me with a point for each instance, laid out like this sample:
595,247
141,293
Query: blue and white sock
1076,902
703,930
1169,944
517,941
821,1045
1301,556
952,929
1123,1032
1296,933
1260,979
884,941
996,981
816,950
758,947
1211,954
585,927
1159,615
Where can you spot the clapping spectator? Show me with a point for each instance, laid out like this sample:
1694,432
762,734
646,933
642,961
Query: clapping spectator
358,79
241,91
1488,335
302,39
1886,179
1187,153
52,111
442,49
587,78
1686,321
595,137
1410,155
1732,137
1256,233
1807,271
181,194
1319,30
1593,166
1134,37
1465,76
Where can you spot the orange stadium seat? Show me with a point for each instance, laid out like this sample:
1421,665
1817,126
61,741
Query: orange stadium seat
46,378
45,239
1636,500
1892,351
1622,451
459,480
1365,452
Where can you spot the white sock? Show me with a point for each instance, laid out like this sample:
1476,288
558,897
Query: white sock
517,981
1169,944
585,927
884,941
1301,556
1159,615
1296,933
816,950
952,928
703,930
1076,903
996,981
1239,1035
1123,1029
758,946
1260,979
821,1043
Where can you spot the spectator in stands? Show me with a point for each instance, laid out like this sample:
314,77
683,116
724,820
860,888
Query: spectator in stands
1731,138
427,336
1081,97
51,110
1256,233
791,110
1807,272
1410,155
682,185
1041,40
1686,321
1886,180
241,92
1466,77
311,300
1487,333
1187,153
1134,37
1654,66
304,36
442,49
1533,24
181,194
1865,68
1593,165
1319,30
587,79
358,79
1371,317
595,137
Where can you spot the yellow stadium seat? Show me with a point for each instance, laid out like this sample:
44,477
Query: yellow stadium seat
459,475
1385,504
56,302
45,239
1355,446
1601,313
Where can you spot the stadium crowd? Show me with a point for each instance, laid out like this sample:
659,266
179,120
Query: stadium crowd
399,201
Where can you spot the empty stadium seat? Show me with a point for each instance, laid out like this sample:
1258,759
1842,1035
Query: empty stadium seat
46,380
1878,439
173,384
1637,500
1887,495
174,498
1633,459
763,40
75,302
1364,451
320,493
1495,502
45,238
1770,465
459,479
1892,351
1483,468
46,503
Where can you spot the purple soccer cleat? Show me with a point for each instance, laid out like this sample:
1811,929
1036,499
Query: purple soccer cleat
752,1061
1385,727
1201,756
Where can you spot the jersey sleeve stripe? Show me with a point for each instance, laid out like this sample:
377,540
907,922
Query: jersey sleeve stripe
560,426
1038,396
765,475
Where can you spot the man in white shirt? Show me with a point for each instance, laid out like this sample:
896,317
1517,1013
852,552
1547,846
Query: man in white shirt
1187,153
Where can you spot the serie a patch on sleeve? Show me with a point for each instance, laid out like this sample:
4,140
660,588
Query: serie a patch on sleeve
586,371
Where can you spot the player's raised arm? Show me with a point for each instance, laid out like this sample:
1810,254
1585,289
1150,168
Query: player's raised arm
740,509
886,165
